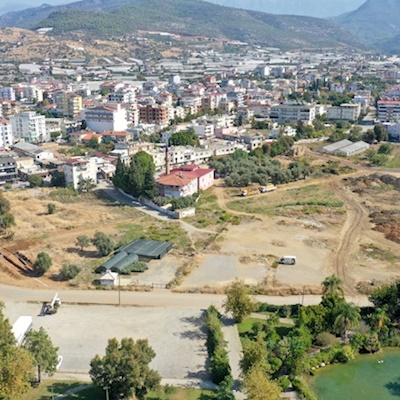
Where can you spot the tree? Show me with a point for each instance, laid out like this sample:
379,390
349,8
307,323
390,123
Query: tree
51,208
15,363
386,148
6,221
255,354
258,386
4,205
82,241
44,354
35,180
69,271
238,301
184,138
86,185
150,190
103,243
332,286
348,317
379,319
124,370
42,264
380,133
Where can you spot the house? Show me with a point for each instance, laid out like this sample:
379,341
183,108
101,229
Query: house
185,181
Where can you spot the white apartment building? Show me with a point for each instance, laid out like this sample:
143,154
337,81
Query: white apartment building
389,110
204,130
292,113
393,130
29,126
106,118
122,97
7,93
6,136
77,169
32,92
344,112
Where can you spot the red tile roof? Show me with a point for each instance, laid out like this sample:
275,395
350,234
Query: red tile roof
174,180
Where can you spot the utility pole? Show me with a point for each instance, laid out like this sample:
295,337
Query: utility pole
119,291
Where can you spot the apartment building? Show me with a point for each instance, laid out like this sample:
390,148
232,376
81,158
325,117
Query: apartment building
292,113
77,169
7,93
106,118
344,112
153,114
389,110
6,136
8,169
29,126
69,103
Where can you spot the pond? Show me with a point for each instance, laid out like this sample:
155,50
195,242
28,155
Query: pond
368,377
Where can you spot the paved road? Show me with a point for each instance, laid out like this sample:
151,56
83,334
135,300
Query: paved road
156,298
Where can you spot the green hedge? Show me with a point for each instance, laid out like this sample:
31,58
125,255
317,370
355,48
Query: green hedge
216,347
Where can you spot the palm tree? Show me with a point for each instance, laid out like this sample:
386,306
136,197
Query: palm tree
379,319
348,317
332,286
86,185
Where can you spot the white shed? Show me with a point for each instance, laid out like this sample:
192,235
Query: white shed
109,279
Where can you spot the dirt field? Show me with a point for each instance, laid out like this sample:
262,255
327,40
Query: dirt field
56,234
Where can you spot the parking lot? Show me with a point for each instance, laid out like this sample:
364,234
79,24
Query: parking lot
82,331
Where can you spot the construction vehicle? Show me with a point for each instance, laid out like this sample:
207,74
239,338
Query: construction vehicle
252,190
52,307
269,188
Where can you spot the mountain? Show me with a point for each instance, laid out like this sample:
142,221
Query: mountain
311,8
199,18
376,21
30,17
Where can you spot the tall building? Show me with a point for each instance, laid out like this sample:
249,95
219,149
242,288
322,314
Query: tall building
344,112
389,110
292,113
29,126
6,136
77,169
106,118
154,114
7,93
69,103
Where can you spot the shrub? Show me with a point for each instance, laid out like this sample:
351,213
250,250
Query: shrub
42,264
35,180
138,266
51,208
284,382
325,339
69,271
303,390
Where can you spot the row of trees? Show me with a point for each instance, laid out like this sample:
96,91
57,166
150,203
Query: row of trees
17,362
137,178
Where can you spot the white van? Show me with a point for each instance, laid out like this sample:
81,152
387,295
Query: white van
290,260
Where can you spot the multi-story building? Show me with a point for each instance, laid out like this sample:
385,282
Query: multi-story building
77,169
106,118
389,110
122,97
9,108
8,169
344,112
292,113
153,114
29,127
6,136
7,93
69,103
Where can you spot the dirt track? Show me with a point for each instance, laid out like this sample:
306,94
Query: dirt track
356,222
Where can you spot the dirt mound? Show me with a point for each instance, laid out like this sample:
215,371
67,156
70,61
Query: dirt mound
387,222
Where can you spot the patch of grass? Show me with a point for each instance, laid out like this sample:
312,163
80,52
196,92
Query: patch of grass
163,231
47,390
246,327
181,394
310,199
393,162
379,254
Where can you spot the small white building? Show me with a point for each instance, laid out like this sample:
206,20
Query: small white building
6,136
77,169
106,118
109,279
344,112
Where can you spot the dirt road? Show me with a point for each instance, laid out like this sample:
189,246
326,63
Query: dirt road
356,222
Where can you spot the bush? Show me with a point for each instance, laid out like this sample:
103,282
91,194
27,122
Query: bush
42,264
325,339
284,382
135,267
35,180
51,208
303,390
69,271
